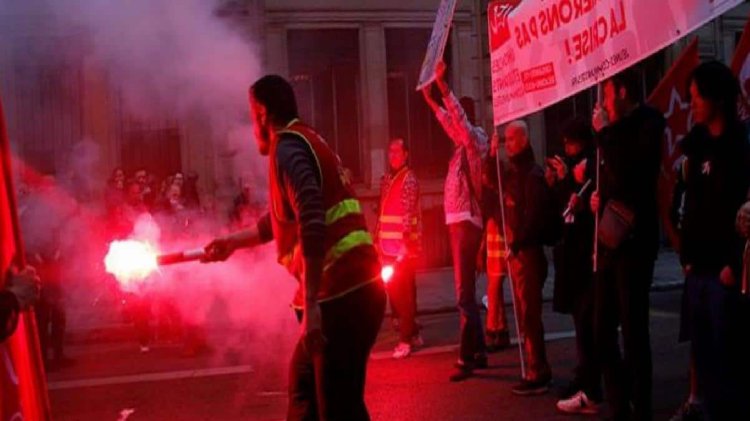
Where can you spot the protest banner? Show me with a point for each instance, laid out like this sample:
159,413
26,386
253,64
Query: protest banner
741,68
671,98
545,51
23,385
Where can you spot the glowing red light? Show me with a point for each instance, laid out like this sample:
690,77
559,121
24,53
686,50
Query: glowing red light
387,273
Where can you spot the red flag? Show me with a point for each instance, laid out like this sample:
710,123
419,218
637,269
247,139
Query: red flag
22,378
670,98
741,68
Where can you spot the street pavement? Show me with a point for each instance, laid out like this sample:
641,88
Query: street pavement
242,376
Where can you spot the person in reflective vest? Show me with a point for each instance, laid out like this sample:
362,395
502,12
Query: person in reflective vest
399,241
322,239
496,325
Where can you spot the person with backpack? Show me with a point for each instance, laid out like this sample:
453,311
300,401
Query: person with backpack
527,199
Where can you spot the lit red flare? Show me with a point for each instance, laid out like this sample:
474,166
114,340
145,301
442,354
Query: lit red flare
387,273
131,261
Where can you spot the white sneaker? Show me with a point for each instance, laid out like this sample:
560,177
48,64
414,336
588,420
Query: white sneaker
145,349
578,404
402,350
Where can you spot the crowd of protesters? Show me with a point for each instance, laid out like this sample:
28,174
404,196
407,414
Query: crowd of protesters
597,206
175,204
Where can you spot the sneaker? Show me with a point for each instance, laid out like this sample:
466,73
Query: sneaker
402,350
145,349
579,403
688,412
531,387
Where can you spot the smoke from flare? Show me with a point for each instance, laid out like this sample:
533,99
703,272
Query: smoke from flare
130,261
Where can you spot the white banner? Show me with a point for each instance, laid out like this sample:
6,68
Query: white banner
543,51
438,39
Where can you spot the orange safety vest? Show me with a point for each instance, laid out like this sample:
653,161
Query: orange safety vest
391,219
496,253
350,258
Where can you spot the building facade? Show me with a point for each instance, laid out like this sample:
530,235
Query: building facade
354,66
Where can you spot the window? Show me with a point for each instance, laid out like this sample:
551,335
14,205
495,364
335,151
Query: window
44,113
409,117
153,146
324,68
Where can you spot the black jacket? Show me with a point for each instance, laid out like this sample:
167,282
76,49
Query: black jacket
716,185
527,200
631,158
573,254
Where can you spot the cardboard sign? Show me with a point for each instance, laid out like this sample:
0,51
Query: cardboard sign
438,39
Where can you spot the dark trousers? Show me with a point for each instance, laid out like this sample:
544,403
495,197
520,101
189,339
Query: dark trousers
402,291
330,385
466,239
588,375
529,270
622,298
51,322
717,340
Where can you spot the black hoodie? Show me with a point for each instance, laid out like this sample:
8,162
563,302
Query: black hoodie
716,185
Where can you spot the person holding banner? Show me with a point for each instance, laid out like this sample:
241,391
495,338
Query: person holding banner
21,292
629,136
463,215
716,184
528,202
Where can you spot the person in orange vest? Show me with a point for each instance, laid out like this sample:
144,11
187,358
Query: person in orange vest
322,239
398,237
496,323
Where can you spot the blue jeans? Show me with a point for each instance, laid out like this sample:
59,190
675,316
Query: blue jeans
466,238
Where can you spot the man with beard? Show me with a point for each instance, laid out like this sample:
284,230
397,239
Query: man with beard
322,239
629,136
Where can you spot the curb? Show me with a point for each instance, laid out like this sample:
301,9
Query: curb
123,332
663,287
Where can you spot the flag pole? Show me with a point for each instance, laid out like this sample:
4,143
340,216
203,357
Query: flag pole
521,338
34,400
595,257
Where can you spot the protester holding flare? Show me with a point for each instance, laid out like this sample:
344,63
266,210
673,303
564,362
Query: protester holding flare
341,298
399,241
